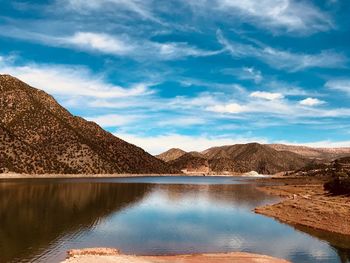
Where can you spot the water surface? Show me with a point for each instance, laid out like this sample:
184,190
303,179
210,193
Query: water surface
41,219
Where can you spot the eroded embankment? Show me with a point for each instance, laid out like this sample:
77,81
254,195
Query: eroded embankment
306,203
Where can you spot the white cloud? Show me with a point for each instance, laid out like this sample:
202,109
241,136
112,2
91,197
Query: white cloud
339,84
266,95
100,42
112,120
311,102
228,108
281,59
161,143
70,81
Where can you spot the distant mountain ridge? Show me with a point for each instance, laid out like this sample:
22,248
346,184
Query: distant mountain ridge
263,158
37,135
314,152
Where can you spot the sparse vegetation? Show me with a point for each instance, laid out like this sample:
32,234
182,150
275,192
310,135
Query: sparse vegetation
338,186
38,136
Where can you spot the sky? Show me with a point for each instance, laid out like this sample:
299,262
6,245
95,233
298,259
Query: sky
190,74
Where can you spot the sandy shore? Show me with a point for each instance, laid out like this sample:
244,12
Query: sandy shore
306,204
105,255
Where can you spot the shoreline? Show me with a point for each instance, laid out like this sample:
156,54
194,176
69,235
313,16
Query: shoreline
306,204
103,255
80,176
90,176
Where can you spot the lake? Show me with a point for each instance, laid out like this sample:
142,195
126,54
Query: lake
40,219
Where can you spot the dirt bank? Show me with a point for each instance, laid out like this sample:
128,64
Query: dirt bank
306,203
104,255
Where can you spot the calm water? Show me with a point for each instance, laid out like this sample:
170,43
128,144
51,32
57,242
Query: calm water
41,219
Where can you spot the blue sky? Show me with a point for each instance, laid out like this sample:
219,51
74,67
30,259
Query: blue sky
189,73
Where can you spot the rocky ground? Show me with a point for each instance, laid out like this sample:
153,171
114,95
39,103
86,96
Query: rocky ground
105,255
307,204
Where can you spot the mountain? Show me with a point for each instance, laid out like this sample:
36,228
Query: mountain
192,162
243,158
171,154
239,158
37,135
312,152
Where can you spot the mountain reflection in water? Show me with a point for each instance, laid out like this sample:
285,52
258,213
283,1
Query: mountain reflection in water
34,215
41,219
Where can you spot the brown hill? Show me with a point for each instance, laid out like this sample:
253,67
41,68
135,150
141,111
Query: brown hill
239,158
171,154
312,152
252,157
37,135
192,162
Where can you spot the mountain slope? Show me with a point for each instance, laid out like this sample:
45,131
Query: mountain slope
40,136
192,162
252,157
238,158
311,152
171,154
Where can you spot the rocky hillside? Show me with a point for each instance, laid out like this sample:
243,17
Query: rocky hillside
253,157
37,135
171,154
240,158
338,167
192,162
311,152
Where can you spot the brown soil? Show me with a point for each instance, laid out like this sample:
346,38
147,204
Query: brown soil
307,204
103,255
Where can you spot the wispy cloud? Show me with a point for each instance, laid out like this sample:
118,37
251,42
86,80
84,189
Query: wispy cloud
277,16
245,73
342,85
121,45
141,8
125,46
291,15
282,59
